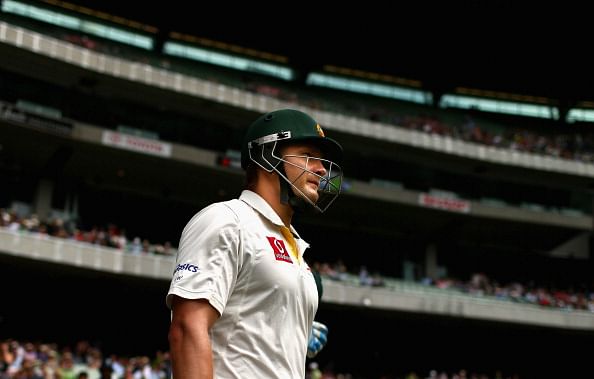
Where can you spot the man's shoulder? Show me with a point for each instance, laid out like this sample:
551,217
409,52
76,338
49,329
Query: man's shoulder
220,208
223,210
217,215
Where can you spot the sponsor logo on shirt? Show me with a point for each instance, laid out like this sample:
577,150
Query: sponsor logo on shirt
186,267
279,249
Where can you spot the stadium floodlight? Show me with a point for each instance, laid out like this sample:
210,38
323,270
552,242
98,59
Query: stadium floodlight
499,106
227,60
70,22
369,88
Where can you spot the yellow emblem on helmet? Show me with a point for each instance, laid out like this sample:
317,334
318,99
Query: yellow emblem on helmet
319,130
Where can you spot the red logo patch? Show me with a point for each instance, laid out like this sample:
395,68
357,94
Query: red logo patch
280,251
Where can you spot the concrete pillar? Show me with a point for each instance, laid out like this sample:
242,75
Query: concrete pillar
43,199
408,271
431,268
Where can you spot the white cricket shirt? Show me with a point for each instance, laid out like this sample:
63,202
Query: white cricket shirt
233,254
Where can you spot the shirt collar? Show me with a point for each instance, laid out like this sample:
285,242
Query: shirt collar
261,206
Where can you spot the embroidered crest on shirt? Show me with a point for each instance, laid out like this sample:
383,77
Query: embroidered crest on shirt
280,251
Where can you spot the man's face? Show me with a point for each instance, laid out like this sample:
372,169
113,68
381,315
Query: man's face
304,168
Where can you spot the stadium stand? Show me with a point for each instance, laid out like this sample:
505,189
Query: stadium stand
103,138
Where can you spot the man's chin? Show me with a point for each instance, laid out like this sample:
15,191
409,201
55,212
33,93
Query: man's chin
307,194
314,196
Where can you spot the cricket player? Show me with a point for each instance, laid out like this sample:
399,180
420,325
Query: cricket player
242,298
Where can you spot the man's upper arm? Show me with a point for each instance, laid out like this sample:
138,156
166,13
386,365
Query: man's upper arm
193,312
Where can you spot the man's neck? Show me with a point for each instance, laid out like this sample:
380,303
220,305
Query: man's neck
268,188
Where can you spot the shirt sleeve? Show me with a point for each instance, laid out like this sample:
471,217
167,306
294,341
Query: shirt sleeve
208,257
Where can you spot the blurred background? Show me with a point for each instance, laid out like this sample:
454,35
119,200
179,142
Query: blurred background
461,246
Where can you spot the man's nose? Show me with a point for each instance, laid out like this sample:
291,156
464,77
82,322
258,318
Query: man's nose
318,167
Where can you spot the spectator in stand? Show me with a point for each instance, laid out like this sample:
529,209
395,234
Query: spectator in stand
314,371
146,246
136,246
7,356
51,365
66,369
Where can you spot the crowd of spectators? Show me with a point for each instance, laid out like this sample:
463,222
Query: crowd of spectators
84,360
315,371
108,236
566,145
41,360
571,145
479,284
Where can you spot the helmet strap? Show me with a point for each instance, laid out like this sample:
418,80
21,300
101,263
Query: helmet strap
288,196
285,189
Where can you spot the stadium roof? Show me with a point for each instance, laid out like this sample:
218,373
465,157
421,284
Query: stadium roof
497,45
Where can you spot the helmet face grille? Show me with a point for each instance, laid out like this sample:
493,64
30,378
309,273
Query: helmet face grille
264,156
330,184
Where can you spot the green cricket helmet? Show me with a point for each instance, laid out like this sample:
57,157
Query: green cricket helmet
285,126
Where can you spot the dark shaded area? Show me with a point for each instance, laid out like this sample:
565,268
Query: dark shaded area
377,342
57,303
502,45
